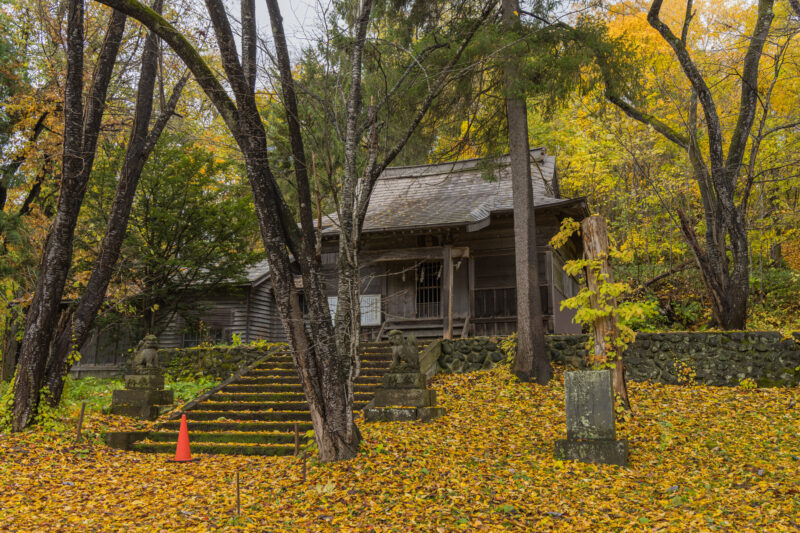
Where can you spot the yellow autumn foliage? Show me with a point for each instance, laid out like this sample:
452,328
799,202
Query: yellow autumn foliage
703,459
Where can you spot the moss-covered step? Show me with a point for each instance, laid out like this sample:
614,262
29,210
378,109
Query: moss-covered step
271,426
282,387
230,437
262,416
253,406
274,397
217,449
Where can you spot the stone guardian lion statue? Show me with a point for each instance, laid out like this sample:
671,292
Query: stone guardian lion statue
145,359
405,352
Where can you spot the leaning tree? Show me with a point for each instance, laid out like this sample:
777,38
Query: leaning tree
81,132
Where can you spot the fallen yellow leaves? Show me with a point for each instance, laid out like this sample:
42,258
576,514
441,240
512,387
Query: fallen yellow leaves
703,459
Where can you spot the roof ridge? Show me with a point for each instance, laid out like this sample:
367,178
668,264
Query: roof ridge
462,164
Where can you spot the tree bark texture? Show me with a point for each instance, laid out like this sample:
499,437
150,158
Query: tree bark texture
81,130
140,145
531,361
604,329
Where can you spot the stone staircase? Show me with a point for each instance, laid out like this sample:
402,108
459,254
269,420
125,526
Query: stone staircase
256,413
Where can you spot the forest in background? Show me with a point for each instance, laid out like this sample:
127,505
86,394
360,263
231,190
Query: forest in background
193,215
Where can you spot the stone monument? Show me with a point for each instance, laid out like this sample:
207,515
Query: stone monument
144,395
404,395
591,430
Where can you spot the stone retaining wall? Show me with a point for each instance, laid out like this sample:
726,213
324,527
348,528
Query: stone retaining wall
217,361
464,355
714,358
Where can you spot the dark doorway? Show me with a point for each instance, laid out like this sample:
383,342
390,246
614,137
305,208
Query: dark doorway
429,289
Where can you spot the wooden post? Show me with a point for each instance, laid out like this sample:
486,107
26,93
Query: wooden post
595,247
80,422
471,284
238,505
296,440
447,292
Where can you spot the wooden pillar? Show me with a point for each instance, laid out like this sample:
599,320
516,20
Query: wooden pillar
447,292
471,291
595,248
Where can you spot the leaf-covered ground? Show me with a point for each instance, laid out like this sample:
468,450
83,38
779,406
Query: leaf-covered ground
703,458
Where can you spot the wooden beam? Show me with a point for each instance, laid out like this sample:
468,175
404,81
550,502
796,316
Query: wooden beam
409,254
471,286
447,292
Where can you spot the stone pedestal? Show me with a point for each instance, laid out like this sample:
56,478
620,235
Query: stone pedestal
403,398
143,397
591,429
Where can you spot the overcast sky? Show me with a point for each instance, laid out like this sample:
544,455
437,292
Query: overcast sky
299,18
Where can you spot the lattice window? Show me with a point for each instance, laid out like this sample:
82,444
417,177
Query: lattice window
429,290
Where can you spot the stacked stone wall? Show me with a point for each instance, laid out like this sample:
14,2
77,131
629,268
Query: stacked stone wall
467,355
215,361
713,358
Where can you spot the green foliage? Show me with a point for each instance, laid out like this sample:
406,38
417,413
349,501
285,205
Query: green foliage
96,392
508,345
607,297
189,389
192,228
236,339
748,384
6,404
774,302
12,74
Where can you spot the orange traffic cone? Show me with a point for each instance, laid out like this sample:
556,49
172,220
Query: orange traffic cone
182,453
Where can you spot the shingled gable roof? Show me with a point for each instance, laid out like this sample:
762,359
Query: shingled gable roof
452,194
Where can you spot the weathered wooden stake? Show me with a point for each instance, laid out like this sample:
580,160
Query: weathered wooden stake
296,440
238,506
303,477
80,422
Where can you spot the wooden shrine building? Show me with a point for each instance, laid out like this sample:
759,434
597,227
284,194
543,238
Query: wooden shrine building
438,250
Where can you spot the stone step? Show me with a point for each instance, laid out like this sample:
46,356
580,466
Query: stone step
273,397
217,449
209,426
289,365
276,388
263,406
231,437
291,372
264,380
258,416
253,406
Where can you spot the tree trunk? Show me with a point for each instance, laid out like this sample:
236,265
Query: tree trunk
531,361
140,146
10,345
81,131
604,328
